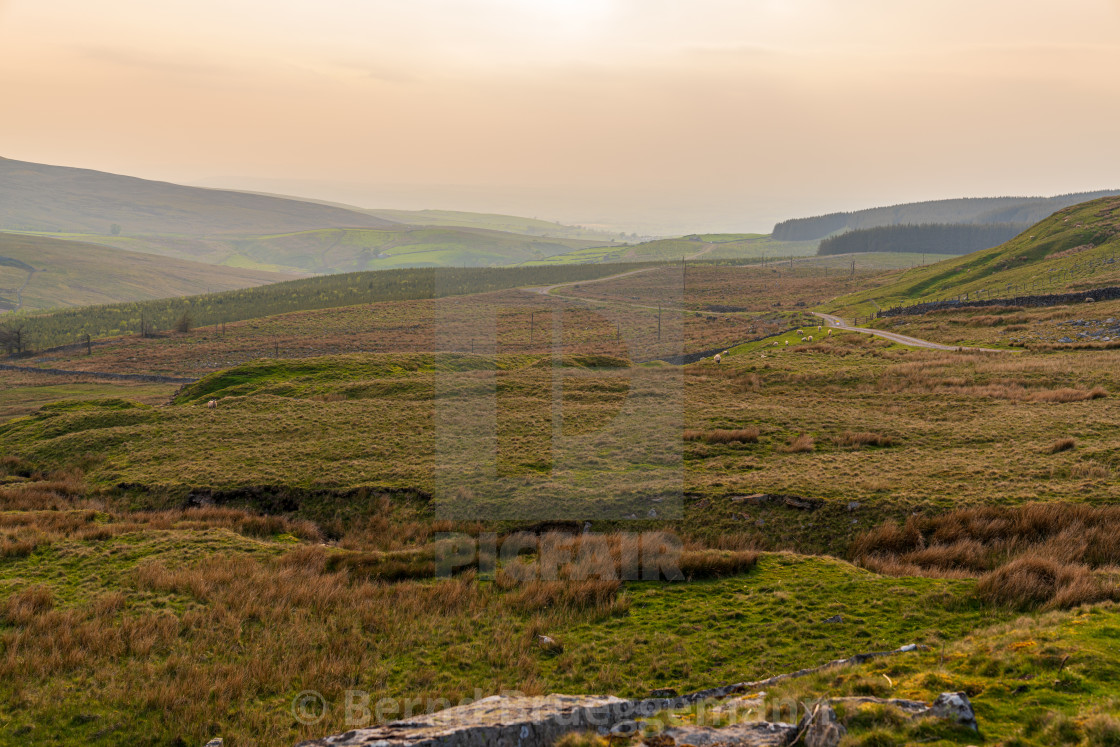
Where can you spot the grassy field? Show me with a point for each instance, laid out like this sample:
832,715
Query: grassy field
710,246
271,613
171,571
70,273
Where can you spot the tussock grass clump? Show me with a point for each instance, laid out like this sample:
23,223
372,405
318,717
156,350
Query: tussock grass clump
697,564
1089,471
26,605
799,444
864,438
1037,555
1067,394
1033,582
720,436
1062,444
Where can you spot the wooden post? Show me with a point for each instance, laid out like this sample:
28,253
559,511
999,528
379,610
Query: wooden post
659,322
531,318
277,350
618,332
89,346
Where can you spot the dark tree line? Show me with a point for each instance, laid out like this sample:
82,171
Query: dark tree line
932,238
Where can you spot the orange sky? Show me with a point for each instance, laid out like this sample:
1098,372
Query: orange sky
659,115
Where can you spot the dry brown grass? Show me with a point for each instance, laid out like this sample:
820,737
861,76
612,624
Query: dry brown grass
1062,444
719,436
801,443
697,564
1037,582
1041,554
863,438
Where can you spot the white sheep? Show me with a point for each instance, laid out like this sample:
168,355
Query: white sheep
809,338
787,343
212,404
829,333
717,357
818,328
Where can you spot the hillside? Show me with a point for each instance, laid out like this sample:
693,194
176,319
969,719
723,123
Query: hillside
1075,249
38,197
496,222
707,246
328,250
37,272
1019,210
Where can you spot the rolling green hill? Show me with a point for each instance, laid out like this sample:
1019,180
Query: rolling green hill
1077,248
37,197
37,272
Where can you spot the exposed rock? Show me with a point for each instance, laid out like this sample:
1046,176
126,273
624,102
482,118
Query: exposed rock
853,505
756,734
834,619
820,728
215,742
498,720
665,692
955,707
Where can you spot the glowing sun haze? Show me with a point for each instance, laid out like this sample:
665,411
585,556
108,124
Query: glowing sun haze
658,115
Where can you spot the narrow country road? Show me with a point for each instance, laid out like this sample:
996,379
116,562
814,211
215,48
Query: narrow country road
837,323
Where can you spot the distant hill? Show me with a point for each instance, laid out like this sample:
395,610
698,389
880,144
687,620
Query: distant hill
1020,210
1075,249
37,272
331,250
37,197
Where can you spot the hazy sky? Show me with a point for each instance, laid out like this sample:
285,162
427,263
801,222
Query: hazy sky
667,115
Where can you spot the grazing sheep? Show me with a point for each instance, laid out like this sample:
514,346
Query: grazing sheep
809,338
801,332
212,404
717,357
829,333
818,328
787,343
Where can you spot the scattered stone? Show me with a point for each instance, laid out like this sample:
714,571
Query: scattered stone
665,692
756,734
215,742
853,505
955,707
834,619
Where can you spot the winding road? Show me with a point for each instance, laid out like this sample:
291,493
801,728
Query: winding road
830,320
836,322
